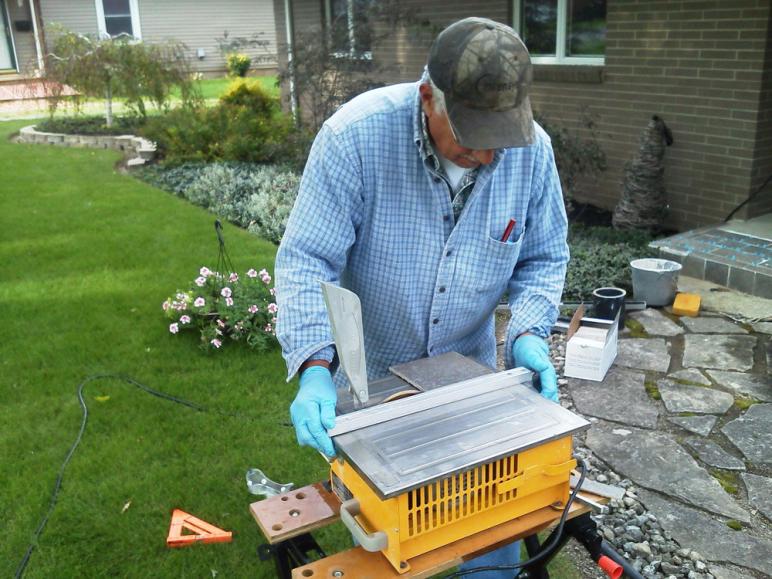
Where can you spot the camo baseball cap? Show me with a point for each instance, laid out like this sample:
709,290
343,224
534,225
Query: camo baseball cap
484,71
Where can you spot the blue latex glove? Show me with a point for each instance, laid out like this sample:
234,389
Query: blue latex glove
532,352
313,410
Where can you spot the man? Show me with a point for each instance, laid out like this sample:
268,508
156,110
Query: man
429,200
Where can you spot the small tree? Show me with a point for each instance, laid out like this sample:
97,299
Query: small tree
575,156
325,76
119,67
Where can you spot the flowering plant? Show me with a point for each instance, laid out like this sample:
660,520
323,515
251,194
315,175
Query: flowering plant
224,307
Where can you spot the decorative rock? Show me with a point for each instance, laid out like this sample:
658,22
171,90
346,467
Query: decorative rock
656,461
712,326
713,455
642,549
759,493
758,387
679,398
690,375
726,573
643,354
621,397
718,351
656,324
762,327
752,433
691,527
701,425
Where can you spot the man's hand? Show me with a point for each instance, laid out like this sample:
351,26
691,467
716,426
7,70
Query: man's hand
532,352
313,410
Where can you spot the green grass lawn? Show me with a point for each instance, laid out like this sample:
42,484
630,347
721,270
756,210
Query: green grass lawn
214,88
88,256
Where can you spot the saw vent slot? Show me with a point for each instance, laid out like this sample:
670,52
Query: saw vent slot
458,496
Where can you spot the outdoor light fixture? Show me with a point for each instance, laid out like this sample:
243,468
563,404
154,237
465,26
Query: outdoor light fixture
200,53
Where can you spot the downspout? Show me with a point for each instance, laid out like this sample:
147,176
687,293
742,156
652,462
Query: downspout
36,34
290,50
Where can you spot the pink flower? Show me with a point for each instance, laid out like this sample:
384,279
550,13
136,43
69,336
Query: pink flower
273,291
181,296
184,319
218,332
273,308
200,302
220,323
266,279
228,301
205,271
252,309
174,328
216,343
165,305
263,272
234,277
226,292
268,328
273,320
251,273
200,281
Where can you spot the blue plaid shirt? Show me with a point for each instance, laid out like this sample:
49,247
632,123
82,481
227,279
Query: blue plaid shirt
371,217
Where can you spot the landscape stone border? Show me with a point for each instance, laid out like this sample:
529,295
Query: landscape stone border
142,149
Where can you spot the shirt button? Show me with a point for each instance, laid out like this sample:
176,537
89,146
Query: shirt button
446,217
436,179
447,253
436,321
442,290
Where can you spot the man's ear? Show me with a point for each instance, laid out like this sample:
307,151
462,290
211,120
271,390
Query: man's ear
427,98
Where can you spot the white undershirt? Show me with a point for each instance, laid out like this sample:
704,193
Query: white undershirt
453,171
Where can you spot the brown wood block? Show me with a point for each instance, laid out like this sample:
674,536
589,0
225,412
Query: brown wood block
362,564
296,512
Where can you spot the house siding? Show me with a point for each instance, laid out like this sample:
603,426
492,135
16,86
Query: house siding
702,65
26,57
76,15
196,23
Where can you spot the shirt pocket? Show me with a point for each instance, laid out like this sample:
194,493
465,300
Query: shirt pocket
497,263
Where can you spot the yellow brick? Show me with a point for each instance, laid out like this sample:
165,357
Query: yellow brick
686,305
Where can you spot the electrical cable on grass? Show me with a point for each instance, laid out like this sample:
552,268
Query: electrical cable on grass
545,551
57,486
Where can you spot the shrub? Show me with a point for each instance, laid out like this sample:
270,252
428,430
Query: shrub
247,125
238,64
575,157
256,197
91,125
601,256
270,207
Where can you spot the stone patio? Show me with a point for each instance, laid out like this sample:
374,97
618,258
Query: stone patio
698,447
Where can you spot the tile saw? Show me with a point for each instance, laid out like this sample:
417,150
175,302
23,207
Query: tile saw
442,448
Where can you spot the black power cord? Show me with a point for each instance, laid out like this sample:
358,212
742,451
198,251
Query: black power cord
546,551
57,486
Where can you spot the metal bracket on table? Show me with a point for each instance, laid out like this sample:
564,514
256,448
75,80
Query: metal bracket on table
259,484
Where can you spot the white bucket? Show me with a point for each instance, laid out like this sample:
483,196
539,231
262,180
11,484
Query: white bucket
655,281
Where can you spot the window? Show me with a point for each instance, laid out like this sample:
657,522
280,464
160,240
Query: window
349,27
562,31
116,17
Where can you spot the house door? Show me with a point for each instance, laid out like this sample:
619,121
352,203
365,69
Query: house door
7,61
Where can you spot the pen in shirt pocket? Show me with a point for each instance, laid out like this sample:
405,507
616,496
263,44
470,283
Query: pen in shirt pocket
508,231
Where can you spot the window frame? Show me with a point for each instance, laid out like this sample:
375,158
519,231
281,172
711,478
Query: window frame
560,39
351,52
102,23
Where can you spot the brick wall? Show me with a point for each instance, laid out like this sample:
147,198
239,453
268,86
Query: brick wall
698,64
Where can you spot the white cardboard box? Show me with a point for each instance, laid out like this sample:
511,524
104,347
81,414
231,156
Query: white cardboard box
591,347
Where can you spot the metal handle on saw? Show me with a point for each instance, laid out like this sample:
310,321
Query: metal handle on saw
377,541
